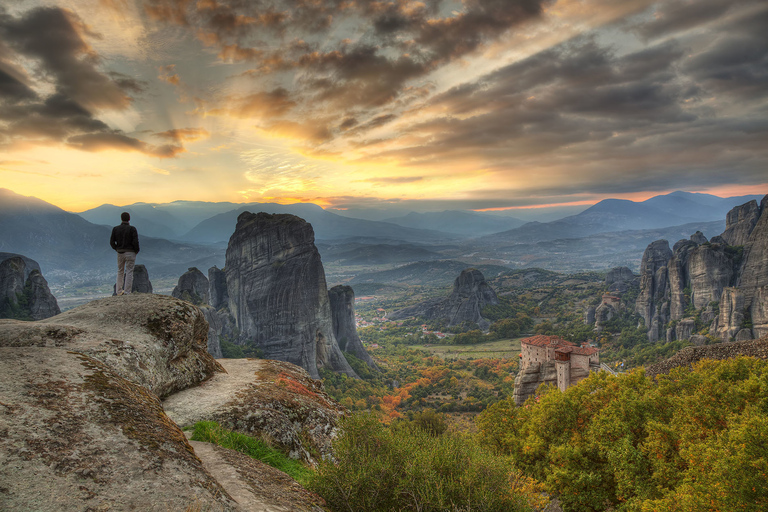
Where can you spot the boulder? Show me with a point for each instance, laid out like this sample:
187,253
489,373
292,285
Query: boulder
743,335
41,302
471,293
155,341
192,287
342,300
699,339
278,294
24,292
270,399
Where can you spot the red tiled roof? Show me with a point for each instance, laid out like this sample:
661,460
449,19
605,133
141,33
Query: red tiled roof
581,351
541,340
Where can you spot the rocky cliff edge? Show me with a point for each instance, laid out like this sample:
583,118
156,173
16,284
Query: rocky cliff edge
83,427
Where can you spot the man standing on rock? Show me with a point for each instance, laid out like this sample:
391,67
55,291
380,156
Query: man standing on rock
125,240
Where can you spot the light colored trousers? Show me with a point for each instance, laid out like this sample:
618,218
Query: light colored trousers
125,264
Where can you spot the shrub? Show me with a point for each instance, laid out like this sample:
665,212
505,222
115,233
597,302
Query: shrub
382,469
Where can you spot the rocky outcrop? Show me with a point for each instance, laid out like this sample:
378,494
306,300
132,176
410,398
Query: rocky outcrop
739,223
689,355
278,294
471,293
192,287
684,328
155,341
141,283
754,270
342,299
589,315
652,302
268,399
603,313
620,279
81,409
759,313
84,428
698,238
220,324
217,291
731,317
24,293
531,377
699,274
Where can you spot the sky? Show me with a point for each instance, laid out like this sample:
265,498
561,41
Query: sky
425,105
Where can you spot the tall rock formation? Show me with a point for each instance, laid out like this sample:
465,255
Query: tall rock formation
699,274
739,223
278,294
342,300
24,294
217,291
754,270
192,287
471,293
654,287
620,279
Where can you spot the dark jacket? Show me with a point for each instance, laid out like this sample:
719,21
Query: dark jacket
124,238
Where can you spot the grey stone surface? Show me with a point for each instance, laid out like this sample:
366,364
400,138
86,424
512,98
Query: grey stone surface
471,293
754,271
217,283
342,299
192,287
739,223
530,378
654,287
278,294
24,292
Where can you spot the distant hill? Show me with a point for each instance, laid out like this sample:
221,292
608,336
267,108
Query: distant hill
66,245
376,254
612,215
457,222
160,220
434,273
327,225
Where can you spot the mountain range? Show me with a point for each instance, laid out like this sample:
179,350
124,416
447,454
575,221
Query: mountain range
182,234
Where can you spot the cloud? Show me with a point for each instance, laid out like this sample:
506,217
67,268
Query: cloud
54,38
395,180
117,141
184,134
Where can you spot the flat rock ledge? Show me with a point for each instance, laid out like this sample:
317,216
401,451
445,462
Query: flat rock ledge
275,400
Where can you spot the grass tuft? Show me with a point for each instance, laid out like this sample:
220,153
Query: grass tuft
212,432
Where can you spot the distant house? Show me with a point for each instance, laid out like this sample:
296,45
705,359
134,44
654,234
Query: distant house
572,362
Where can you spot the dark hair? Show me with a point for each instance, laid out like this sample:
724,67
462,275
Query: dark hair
125,216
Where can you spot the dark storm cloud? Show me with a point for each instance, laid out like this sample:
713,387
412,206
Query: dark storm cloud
736,64
52,39
118,141
401,41
183,134
674,16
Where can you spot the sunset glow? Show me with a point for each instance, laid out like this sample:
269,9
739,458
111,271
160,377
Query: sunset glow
481,105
